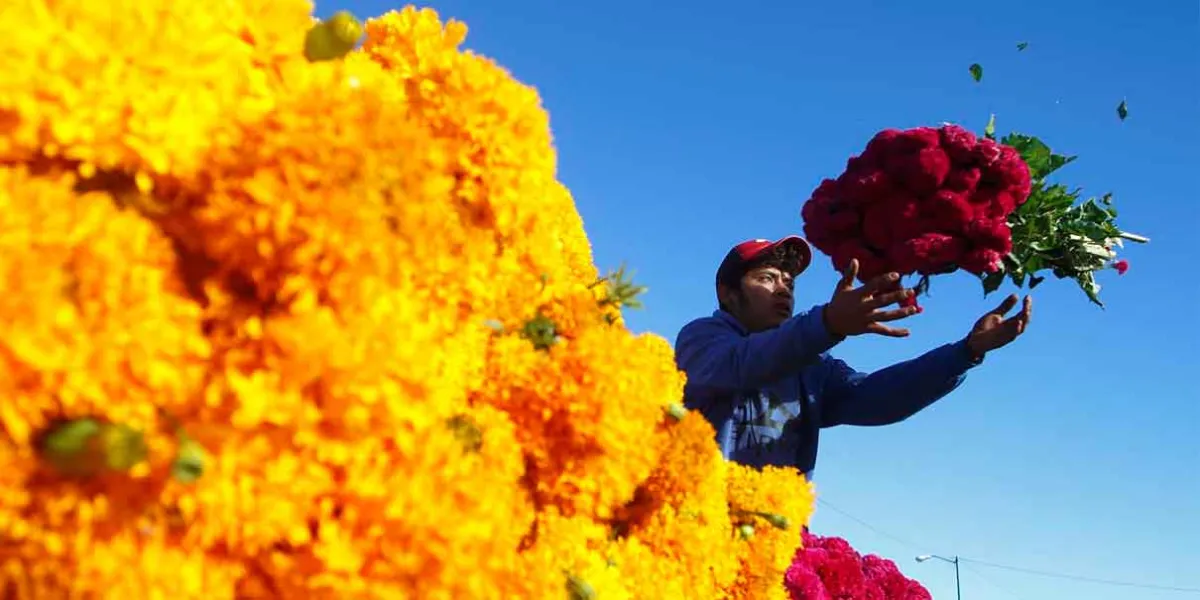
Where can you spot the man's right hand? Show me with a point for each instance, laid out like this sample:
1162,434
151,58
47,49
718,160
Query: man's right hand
855,311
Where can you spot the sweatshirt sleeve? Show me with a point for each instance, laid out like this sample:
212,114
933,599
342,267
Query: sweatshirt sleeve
716,357
894,393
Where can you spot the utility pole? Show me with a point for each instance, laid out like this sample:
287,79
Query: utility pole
953,561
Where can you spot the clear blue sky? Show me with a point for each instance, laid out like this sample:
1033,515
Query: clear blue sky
684,127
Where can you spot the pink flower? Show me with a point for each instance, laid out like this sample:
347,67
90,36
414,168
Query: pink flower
923,200
883,142
891,222
872,591
827,191
842,574
919,138
993,203
826,222
928,254
1121,266
862,188
828,568
917,591
803,583
987,152
963,180
1014,174
870,265
949,211
959,144
981,260
993,234
922,172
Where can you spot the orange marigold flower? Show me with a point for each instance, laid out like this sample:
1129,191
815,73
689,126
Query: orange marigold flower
345,321
768,508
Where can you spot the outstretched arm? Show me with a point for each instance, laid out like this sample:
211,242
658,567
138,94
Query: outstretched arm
902,390
717,357
892,394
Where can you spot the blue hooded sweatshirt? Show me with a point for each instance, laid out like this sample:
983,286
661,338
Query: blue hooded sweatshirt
769,394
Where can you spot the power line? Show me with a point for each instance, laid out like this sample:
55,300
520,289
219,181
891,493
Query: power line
983,563
1145,586
881,532
989,581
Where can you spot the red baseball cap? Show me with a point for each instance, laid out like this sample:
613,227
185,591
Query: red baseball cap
747,252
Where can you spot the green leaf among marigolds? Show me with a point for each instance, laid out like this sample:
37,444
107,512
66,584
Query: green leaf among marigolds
68,446
579,589
190,460
87,447
467,431
333,38
745,531
621,291
541,332
676,411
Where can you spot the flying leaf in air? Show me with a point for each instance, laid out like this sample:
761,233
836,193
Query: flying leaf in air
990,130
1122,110
1022,45
977,72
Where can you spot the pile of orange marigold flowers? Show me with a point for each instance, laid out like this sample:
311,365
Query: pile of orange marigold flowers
276,327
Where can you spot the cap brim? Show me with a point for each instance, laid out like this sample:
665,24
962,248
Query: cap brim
801,246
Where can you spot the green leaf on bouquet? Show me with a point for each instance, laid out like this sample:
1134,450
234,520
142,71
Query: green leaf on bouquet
992,281
976,72
1087,282
1106,200
1022,46
1015,269
1122,110
1055,198
1041,159
1056,229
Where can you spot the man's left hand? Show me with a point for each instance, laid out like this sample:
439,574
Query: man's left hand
994,331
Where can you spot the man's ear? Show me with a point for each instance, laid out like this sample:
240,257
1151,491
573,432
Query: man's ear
726,295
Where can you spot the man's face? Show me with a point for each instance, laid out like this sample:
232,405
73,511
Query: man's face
765,300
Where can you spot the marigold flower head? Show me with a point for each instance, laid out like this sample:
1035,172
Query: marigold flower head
325,329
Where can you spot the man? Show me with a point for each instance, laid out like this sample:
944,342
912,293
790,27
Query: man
765,380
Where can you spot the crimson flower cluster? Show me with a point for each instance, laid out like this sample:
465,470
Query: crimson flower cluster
828,568
925,200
